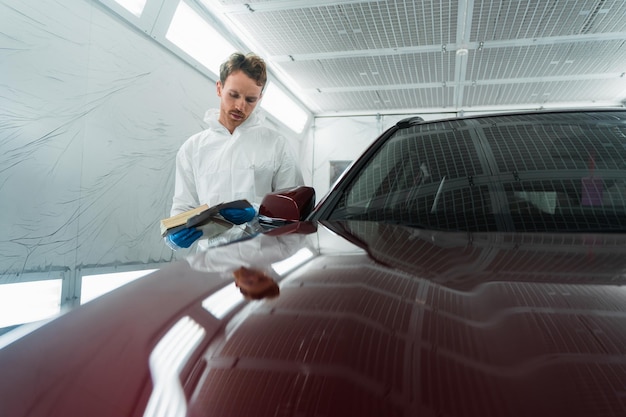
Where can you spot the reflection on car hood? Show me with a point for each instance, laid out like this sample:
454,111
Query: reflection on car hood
370,320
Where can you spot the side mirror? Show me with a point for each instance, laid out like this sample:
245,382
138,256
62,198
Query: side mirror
286,206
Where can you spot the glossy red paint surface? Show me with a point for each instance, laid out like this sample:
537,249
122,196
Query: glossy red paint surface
292,205
370,320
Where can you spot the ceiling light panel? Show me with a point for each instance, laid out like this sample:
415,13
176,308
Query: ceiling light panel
134,6
372,71
351,55
537,93
513,19
546,60
190,32
603,16
378,101
353,26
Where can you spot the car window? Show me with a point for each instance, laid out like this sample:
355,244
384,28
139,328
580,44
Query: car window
557,172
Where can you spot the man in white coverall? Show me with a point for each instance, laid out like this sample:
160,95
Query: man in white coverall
236,157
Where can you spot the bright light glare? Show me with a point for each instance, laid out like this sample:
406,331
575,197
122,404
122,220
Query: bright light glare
25,302
222,301
134,6
294,261
166,362
93,286
282,107
191,33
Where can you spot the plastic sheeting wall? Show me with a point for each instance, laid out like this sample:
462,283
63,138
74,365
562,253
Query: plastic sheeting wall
92,114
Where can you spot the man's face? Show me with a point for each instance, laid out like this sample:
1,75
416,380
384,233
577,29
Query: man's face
238,97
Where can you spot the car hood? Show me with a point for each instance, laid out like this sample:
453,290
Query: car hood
368,319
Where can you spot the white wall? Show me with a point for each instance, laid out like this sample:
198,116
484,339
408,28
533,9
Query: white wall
345,138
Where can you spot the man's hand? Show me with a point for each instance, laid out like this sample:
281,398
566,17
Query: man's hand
238,215
183,238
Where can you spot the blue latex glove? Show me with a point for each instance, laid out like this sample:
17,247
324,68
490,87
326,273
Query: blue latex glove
238,215
183,238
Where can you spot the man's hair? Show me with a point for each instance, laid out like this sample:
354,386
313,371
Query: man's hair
250,64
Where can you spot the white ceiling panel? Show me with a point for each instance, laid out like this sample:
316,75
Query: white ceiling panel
383,72
376,56
537,94
555,60
387,100
513,19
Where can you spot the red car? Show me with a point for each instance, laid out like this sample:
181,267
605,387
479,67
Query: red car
465,267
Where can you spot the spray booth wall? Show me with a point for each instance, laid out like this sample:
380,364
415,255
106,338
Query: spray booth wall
92,114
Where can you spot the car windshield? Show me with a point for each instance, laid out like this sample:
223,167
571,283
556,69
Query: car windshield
532,173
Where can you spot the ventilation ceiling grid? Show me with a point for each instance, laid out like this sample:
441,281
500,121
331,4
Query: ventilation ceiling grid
408,23
352,101
593,15
518,62
293,32
351,49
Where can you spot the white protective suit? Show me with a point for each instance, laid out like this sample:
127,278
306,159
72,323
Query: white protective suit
214,166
